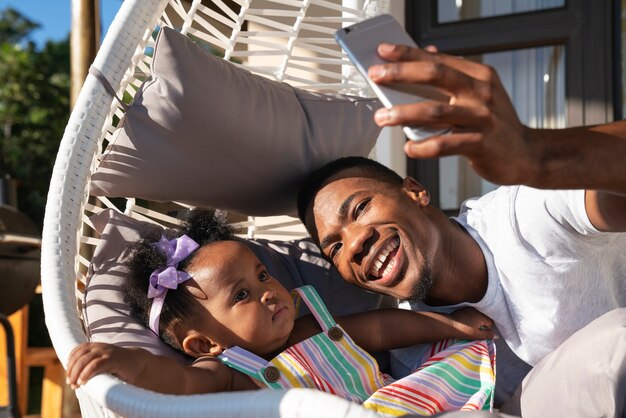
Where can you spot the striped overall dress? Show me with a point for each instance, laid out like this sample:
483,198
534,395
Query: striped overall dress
459,375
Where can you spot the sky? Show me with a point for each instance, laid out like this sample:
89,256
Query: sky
54,16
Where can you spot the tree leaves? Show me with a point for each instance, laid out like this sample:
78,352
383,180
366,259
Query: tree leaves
14,27
34,108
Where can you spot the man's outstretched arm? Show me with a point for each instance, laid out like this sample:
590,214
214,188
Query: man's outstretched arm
485,128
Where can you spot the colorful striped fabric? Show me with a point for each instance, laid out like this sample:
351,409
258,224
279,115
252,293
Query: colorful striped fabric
457,376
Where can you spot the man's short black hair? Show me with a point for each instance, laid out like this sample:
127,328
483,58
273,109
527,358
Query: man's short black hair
317,178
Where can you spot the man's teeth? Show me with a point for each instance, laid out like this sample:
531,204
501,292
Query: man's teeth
389,267
381,258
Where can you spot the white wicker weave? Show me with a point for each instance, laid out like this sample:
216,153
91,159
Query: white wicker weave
298,35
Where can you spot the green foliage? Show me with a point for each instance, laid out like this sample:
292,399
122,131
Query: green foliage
34,108
15,28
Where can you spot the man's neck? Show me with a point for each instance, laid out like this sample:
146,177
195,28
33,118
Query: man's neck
463,275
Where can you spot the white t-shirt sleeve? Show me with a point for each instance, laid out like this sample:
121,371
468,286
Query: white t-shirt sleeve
559,215
570,206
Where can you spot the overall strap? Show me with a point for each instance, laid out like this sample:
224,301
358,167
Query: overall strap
243,361
309,295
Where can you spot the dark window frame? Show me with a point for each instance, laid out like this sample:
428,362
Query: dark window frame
589,30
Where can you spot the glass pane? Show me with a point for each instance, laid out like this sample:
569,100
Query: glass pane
455,10
535,80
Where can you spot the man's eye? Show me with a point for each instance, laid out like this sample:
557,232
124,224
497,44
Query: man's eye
360,208
241,295
334,250
263,276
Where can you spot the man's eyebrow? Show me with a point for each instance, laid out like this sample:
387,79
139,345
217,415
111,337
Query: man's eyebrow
342,214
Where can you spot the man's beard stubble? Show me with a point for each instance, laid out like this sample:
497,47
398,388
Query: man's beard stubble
422,286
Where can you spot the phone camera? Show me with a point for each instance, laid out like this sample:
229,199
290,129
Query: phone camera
347,30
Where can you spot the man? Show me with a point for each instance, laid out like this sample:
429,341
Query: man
541,264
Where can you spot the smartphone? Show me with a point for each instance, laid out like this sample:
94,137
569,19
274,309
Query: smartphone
360,42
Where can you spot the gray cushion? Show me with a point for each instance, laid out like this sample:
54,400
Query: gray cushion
584,377
208,133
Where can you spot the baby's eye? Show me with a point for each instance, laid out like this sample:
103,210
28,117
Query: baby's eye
242,295
263,276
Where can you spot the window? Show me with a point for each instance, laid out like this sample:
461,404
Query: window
555,58
455,10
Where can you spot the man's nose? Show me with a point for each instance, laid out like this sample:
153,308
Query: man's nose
356,241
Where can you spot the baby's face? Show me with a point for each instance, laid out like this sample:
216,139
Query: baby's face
245,306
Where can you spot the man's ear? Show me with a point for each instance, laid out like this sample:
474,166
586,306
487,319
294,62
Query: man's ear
416,191
198,345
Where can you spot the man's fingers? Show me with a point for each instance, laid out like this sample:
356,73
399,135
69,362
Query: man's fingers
478,334
434,114
488,335
486,329
399,54
431,73
467,143
392,52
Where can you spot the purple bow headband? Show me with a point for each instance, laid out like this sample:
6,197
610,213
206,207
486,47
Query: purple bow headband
169,277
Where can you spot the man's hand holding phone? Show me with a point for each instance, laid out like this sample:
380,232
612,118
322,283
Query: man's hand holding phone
483,124
477,116
360,42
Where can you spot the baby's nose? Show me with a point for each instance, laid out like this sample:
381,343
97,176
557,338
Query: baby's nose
268,296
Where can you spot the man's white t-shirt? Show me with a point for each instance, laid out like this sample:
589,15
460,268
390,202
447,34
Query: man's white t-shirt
551,272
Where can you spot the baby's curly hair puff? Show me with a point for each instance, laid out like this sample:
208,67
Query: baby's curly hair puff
204,227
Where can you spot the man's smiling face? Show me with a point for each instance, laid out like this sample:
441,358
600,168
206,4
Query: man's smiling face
375,233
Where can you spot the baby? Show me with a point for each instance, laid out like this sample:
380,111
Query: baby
206,294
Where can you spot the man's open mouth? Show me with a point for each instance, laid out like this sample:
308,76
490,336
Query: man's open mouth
385,264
